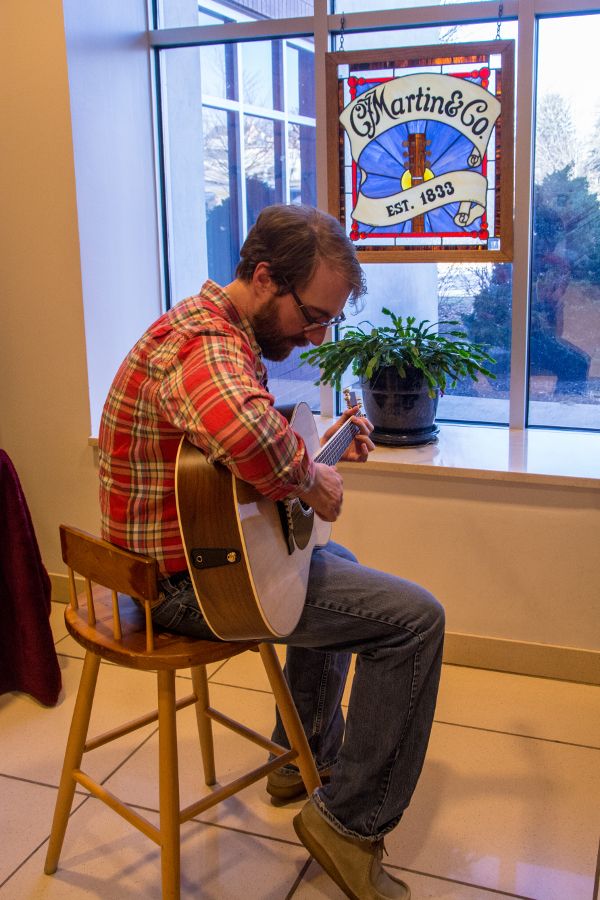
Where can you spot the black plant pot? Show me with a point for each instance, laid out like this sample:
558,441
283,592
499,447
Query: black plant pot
401,409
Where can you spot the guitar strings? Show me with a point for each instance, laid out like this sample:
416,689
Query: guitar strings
334,448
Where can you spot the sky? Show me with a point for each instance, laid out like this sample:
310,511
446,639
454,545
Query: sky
567,65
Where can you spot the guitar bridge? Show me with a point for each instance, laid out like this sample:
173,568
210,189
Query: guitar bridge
297,522
287,525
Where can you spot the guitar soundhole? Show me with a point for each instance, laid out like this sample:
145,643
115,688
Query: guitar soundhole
302,523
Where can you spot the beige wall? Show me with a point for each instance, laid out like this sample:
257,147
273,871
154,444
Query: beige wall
508,561
512,562
44,415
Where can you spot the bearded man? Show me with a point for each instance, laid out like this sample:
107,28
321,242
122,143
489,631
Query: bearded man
198,371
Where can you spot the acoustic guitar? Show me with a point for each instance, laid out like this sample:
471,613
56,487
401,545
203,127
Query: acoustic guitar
249,556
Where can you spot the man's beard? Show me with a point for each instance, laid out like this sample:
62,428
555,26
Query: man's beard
267,331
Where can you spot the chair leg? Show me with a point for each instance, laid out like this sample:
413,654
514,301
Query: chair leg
73,755
200,682
168,786
290,718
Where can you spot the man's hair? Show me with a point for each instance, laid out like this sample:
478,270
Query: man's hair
293,240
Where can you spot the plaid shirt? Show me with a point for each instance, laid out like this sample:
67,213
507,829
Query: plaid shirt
197,371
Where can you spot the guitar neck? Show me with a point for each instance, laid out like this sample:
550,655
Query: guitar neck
334,449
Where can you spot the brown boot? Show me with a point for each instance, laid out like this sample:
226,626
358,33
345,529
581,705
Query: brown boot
285,786
354,864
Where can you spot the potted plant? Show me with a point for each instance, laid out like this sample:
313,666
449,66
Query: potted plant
403,368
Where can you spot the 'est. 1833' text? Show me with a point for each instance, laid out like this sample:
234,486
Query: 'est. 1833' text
429,195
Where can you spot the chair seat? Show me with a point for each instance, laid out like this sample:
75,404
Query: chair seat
171,651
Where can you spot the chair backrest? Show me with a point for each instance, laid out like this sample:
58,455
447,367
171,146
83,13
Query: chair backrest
121,571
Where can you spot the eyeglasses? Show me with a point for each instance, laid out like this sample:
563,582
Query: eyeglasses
311,321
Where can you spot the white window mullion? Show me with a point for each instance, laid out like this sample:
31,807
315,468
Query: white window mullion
286,123
525,93
294,119
321,48
243,213
255,30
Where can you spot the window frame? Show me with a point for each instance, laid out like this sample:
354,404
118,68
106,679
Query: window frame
323,27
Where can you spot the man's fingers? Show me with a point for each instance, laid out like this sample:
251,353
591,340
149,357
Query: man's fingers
363,423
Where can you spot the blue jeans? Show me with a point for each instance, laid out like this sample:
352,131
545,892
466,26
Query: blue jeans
396,628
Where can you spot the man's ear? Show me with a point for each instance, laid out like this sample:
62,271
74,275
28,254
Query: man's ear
262,281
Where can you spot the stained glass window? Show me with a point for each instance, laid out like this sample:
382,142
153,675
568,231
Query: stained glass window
424,162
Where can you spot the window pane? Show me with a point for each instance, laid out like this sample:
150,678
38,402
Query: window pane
477,297
221,192
302,164
291,381
176,13
216,67
279,9
351,6
257,78
564,351
208,19
184,178
300,81
293,79
263,178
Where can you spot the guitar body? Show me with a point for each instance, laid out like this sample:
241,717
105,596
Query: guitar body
248,556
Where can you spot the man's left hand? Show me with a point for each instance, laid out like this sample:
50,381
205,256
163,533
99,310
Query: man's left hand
362,445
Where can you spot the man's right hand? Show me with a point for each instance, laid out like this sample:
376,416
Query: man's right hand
326,494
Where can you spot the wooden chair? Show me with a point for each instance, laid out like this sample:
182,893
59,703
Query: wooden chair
114,628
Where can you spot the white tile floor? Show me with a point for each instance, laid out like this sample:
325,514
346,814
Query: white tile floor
508,803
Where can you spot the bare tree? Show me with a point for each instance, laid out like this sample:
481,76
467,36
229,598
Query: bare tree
555,137
593,157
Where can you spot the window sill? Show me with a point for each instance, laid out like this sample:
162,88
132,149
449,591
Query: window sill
561,458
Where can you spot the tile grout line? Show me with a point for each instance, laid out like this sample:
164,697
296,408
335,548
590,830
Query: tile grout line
254,834
469,884
528,737
53,787
299,879
41,844
224,663
70,655
129,755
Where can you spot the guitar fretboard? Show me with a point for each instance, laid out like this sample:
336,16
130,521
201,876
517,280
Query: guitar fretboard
334,449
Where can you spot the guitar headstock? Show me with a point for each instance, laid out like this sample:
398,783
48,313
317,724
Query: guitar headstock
351,399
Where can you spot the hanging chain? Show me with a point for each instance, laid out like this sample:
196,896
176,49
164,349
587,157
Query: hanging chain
500,11
343,24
